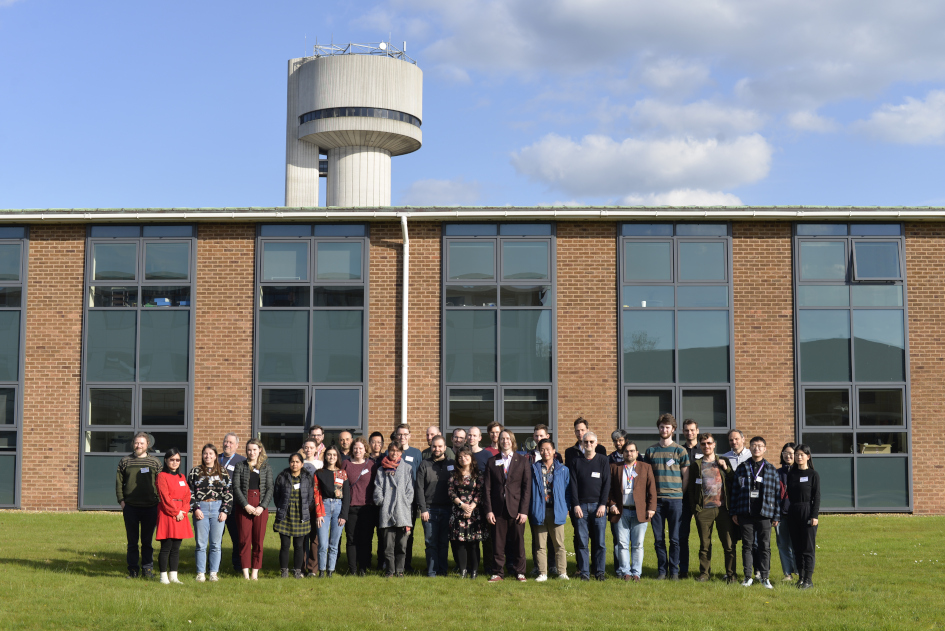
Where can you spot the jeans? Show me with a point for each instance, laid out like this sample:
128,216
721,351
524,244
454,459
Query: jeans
145,519
785,548
630,534
685,528
209,530
329,535
670,512
594,526
436,536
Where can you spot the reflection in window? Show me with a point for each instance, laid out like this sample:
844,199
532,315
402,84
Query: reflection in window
881,406
336,346
526,346
648,296
825,345
525,261
166,261
470,296
879,345
285,261
338,261
701,261
876,259
648,346
10,255
470,346
337,407
469,407
823,260
283,346
709,408
703,346
645,406
163,406
282,408
649,261
110,346
114,261
471,261
827,408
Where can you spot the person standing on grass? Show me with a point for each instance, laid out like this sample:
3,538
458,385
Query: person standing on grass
252,489
376,453
670,463
507,497
412,458
633,503
756,506
548,510
738,454
211,502
577,451
228,461
590,488
481,459
782,532
432,495
362,514
393,495
618,437
172,525
465,525
136,490
690,431
708,494
803,489
295,496
336,495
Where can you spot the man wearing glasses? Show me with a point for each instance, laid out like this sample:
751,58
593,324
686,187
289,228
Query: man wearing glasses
577,451
633,503
590,488
709,493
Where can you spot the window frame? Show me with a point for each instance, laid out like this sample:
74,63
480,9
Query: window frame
18,385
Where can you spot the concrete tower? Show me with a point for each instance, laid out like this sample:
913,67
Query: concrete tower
360,104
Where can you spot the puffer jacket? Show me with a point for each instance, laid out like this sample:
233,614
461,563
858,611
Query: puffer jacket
311,498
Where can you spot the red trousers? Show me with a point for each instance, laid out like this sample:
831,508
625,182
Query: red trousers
252,533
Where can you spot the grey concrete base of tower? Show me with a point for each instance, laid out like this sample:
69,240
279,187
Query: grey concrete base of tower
358,176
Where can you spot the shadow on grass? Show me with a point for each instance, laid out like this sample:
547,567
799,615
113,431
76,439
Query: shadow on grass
84,563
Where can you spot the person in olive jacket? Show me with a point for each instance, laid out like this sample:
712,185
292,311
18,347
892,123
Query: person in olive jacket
709,492
252,489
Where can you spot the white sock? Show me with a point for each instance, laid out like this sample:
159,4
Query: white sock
164,578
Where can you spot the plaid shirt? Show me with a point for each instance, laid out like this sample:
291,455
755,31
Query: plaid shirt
770,488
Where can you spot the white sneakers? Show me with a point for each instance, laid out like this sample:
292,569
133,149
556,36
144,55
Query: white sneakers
563,577
213,577
541,578
164,580
201,577
173,577
747,582
766,583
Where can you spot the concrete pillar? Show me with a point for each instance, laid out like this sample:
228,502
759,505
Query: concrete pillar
358,176
301,158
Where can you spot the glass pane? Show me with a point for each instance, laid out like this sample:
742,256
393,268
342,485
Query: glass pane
882,482
471,407
285,261
110,406
701,230
338,296
877,295
166,261
337,408
827,408
165,345
163,406
285,230
882,443
879,345
825,345
10,296
703,346
12,232
166,296
525,261
470,296
708,408
282,408
338,261
98,480
278,443
100,296
823,260
876,260
641,440
168,231
10,261
339,230
114,261
336,346
525,407
823,295
648,261
881,407
526,295
117,442
165,440
818,229
284,296
645,406
836,481
110,346
875,229
8,479
116,231
648,296
648,347
9,345
7,441
470,230
470,342
647,230
469,261
711,296
839,443
7,406
525,229
283,346
526,346
701,261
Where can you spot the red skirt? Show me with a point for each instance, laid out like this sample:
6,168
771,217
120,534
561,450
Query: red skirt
170,528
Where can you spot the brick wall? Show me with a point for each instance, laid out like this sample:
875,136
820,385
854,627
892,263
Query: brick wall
764,332
223,347
925,276
52,369
587,327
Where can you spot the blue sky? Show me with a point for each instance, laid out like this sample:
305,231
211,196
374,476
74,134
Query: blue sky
625,102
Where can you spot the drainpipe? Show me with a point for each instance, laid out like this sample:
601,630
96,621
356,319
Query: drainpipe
403,333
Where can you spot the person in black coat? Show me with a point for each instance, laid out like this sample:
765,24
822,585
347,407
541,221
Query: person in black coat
803,490
293,492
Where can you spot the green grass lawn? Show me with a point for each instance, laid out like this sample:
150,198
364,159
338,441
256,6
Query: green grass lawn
66,571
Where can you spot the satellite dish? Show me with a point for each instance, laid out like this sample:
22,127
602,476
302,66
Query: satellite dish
382,46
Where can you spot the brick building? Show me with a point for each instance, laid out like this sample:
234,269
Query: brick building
815,325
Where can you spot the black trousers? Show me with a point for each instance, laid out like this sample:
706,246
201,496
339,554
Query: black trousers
395,548
803,539
169,557
752,528
359,536
298,544
466,554
408,563
233,527
141,519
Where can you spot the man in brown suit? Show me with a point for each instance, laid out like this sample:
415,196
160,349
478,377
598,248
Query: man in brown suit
631,505
506,499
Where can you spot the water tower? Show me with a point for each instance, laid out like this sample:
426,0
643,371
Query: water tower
360,104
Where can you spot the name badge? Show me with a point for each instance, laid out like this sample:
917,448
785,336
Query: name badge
145,469
408,458
595,474
633,473
500,463
698,480
230,467
759,479
363,471
182,483
297,486
214,477
255,470
698,456
804,479
449,467
670,462
754,494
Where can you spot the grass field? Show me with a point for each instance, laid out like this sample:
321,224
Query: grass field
66,571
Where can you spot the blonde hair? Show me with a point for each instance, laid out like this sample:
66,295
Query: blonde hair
261,460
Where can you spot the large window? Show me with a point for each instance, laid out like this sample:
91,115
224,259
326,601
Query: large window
13,257
498,325
137,367
311,332
675,327
852,362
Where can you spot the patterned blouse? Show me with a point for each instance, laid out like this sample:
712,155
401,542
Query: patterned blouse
210,488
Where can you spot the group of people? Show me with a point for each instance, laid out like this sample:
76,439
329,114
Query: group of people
477,500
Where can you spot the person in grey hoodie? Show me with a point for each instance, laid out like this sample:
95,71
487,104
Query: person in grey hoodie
393,495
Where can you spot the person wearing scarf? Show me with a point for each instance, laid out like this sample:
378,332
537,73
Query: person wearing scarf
393,495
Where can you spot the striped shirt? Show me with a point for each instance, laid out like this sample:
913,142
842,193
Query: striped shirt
668,463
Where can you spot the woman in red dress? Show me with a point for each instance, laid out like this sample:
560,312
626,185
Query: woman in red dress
173,506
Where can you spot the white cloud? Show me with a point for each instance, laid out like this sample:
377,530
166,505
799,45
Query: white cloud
451,73
701,118
683,197
599,166
455,192
808,120
673,76
915,122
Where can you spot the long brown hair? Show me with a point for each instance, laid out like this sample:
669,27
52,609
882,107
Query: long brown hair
473,468
262,458
217,469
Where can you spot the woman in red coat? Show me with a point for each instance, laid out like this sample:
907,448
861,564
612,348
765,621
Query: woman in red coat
173,506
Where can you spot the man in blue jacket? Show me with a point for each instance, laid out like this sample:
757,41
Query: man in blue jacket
756,507
551,499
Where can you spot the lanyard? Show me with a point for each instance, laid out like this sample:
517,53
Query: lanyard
754,475
628,487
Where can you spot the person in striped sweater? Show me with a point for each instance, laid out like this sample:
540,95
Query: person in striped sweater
670,462
136,490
